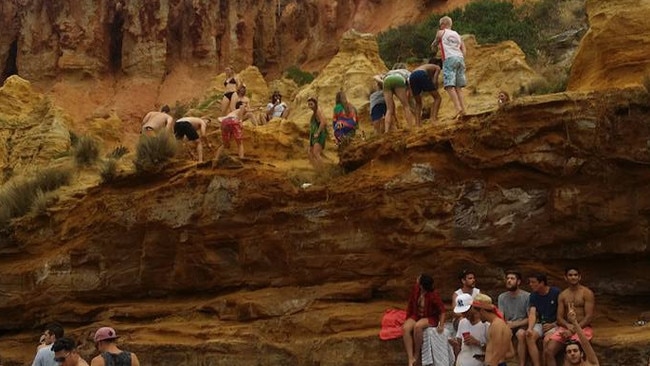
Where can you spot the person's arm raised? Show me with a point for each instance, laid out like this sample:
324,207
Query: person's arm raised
590,354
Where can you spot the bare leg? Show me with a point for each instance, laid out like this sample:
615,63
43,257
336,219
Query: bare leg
453,95
199,150
225,102
315,153
436,105
401,95
240,148
550,352
390,109
418,110
521,347
216,158
407,336
418,337
533,351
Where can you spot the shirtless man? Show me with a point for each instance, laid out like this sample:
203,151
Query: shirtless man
155,121
579,353
194,129
425,79
581,300
499,344
231,128
65,353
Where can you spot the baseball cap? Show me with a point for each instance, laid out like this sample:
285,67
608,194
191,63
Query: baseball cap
105,333
463,303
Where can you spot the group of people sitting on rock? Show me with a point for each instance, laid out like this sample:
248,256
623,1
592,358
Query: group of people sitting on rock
56,350
540,323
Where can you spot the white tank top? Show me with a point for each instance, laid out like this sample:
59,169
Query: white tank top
459,292
450,44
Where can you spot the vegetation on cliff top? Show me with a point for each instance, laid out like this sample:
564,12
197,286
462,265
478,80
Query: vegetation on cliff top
490,21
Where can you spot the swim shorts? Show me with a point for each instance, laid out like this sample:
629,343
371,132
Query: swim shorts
559,337
231,129
184,128
378,112
453,72
421,82
391,82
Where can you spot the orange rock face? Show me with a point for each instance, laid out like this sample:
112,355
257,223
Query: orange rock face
265,262
615,52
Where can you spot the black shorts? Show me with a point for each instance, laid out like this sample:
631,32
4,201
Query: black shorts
183,128
421,82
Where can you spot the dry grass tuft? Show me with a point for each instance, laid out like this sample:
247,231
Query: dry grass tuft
154,152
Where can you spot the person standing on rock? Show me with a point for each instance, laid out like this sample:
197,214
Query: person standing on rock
425,309
425,79
317,133
581,300
109,353
452,49
232,84
45,355
65,353
195,129
344,121
232,129
155,121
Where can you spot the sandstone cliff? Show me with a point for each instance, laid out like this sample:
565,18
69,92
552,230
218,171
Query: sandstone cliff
614,52
239,264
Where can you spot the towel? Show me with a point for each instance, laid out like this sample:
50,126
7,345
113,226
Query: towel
436,349
391,324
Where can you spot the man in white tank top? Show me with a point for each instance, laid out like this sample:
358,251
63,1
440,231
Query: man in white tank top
452,50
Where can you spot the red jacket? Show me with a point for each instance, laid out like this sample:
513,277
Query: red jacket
433,306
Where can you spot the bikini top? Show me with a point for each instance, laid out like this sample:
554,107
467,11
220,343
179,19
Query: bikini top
230,81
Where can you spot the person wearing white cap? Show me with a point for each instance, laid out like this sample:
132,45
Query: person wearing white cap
105,338
472,332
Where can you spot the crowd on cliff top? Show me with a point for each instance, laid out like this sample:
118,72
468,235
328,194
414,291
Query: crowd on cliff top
527,326
398,83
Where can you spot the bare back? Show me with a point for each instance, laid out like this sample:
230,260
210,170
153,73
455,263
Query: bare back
498,344
157,121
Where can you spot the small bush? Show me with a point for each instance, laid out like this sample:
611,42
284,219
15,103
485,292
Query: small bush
86,152
18,195
299,76
74,138
108,171
41,202
153,152
118,152
646,83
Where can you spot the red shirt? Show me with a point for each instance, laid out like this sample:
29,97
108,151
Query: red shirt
433,306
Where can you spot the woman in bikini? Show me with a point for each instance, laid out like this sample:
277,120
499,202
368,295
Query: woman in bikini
232,83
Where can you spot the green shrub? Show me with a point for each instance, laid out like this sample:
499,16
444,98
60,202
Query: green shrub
299,76
154,152
490,21
86,151
108,171
18,195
